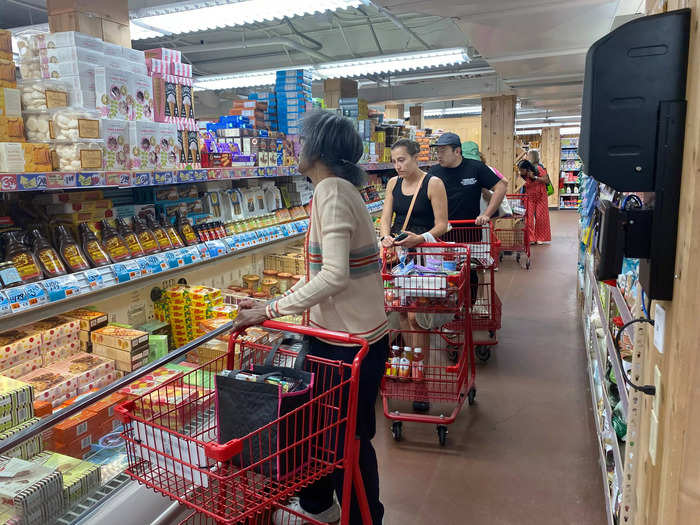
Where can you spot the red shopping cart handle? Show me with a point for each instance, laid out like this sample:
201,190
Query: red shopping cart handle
340,337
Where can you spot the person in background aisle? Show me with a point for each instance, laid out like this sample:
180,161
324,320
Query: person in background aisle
464,178
470,150
419,202
538,201
344,293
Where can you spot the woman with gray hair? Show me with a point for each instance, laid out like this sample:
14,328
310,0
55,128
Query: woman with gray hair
342,292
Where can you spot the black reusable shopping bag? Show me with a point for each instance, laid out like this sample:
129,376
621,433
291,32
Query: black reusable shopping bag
244,407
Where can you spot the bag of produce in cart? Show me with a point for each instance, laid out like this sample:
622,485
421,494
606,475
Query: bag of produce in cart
262,406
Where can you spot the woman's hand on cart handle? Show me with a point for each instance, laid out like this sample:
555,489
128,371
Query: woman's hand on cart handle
247,304
482,219
388,241
410,241
250,317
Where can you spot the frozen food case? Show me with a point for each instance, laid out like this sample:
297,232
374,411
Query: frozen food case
68,467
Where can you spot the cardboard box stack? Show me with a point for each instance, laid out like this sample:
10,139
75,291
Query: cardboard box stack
80,478
173,104
335,89
270,113
16,403
88,321
184,306
28,448
126,346
293,93
31,494
20,353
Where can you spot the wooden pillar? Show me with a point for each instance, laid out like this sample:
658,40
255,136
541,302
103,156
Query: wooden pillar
668,489
394,111
105,19
497,135
416,116
550,157
336,88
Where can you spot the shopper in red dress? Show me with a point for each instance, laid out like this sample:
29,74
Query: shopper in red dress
538,202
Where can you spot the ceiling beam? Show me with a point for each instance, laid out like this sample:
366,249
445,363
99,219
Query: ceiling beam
537,54
436,90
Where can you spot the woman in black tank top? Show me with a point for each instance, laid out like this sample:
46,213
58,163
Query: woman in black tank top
429,213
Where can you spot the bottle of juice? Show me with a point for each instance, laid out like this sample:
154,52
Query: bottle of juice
91,247
50,262
146,237
187,233
395,360
132,241
405,363
70,251
113,243
22,259
170,230
417,373
159,232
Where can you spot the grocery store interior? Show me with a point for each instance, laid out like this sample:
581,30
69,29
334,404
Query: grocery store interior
184,339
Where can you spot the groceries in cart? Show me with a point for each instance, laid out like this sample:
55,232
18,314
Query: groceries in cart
287,384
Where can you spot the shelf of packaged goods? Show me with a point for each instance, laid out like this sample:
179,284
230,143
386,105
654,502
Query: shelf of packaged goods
32,302
568,207
619,473
375,207
612,357
15,182
621,304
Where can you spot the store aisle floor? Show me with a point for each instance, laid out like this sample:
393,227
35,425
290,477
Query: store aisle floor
525,453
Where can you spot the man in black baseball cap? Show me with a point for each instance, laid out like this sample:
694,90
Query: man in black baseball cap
464,179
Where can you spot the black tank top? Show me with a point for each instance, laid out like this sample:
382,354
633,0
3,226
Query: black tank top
422,218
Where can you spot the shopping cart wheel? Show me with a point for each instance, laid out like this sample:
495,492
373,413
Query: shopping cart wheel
453,355
492,333
442,434
396,428
483,353
517,257
471,396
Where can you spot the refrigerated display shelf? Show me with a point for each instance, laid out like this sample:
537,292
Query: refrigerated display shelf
32,302
83,509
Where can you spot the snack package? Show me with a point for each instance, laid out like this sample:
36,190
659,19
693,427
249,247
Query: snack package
10,105
68,39
142,88
167,146
37,124
23,368
88,319
11,129
86,368
112,92
143,142
25,157
75,124
78,156
193,146
164,54
50,385
186,97
118,337
166,98
60,55
116,148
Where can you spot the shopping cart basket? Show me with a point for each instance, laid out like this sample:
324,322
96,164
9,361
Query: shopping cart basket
171,436
448,377
513,232
485,304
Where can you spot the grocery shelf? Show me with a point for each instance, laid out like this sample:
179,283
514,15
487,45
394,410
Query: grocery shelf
622,388
17,182
621,304
133,275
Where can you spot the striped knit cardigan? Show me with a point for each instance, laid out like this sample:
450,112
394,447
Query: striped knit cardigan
343,288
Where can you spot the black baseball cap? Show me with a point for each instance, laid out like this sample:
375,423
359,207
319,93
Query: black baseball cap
448,139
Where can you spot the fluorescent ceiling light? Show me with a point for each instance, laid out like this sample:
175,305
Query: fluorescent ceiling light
204,16
574,130
568,117
467,110
546,125
347,68
392,63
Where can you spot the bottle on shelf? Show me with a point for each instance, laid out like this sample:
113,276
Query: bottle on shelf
48,258
113,243
171,232
70,251
159,232
132,241
417,372
91,247
146,237
22,259
183,226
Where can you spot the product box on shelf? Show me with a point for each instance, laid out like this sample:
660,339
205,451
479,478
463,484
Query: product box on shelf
118,337
74,427
116,147
54,328
68,39
9,360
59,353
167,98
11,129
143,141
27,449
164,54
51,386
10,102
142,89
80,478
104,408
125,360
112,92
148,382
166,145
22,157
23,368
88,319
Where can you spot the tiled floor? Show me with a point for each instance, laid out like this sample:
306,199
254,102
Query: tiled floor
525,452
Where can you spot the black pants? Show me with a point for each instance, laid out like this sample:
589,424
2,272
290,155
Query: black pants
319,496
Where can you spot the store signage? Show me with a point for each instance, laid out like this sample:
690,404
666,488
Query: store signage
163,177
25,297
31,181
216,248
157,263
94,279
4,305
60,180
8,182
86,180
62,287
140,178
174,259
126,271
121,179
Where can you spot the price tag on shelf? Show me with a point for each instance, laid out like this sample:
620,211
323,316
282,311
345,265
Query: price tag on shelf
62,287
144,266
164,177
203,251
157,263
230,243
25,297
4,305
174,259
8,182
60,180
126,271
121,179
88,180
31,181
216,248
142,178
200,175
94,279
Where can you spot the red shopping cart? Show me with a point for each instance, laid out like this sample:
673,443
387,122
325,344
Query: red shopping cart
171,437
485,307
513,232
429,287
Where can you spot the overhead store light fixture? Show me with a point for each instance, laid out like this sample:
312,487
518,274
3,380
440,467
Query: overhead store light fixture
203,16
470,110
392,63
343,69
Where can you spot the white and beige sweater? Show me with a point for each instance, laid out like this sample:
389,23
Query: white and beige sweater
343,288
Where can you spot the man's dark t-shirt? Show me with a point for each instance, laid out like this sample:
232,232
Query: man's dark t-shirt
463,185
